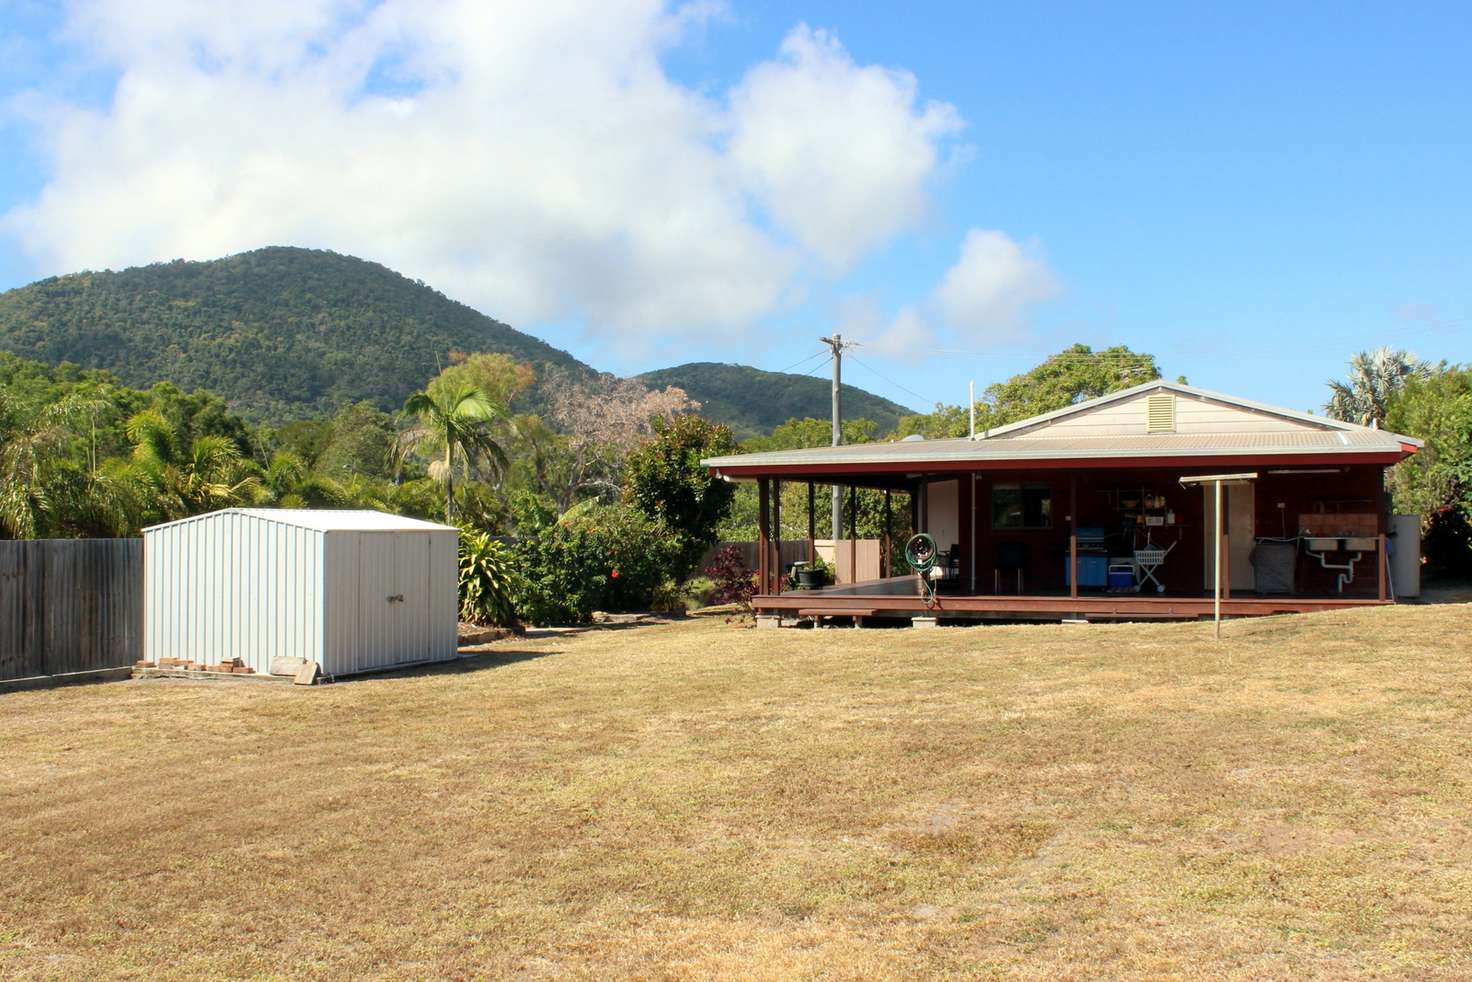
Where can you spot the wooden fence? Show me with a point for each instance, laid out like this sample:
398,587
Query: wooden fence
796,550
69,606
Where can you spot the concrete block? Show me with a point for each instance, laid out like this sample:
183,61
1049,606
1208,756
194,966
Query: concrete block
308,674
285,665
764,621
924,622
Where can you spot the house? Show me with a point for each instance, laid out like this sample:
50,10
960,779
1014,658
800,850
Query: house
1090,511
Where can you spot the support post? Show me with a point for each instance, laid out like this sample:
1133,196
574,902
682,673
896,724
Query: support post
1380,565
1073,535
971,563
777,534
853,531
886,560
812,528
1227,564
1216,583
762,555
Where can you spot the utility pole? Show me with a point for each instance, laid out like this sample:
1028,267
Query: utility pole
836,343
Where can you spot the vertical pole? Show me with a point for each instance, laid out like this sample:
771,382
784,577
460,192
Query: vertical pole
887,552
971,405
836,343
1381,511
762,555
777,533
1216,584
1073,535
812,529
1227,558
853,531
971,557
1380,566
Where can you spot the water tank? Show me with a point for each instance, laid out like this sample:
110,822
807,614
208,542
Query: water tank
1405,555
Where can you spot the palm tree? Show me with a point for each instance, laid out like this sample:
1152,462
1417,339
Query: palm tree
180,481
43,489
287,482
1374,378
455,421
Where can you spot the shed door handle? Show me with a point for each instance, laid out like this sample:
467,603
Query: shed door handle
397,598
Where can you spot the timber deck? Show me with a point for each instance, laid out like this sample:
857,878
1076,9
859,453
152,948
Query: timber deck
899,597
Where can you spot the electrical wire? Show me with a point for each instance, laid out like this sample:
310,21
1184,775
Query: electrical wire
891,381
802,361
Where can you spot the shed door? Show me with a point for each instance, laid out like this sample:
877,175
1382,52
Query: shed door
394,577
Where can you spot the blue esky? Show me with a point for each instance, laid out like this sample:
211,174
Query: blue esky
1250,192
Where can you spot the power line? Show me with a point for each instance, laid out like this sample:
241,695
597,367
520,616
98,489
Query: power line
891,381
801,361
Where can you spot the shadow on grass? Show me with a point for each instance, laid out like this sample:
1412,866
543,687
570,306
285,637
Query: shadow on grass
477,662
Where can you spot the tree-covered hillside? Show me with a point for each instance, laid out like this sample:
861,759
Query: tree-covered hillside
278,332
753,402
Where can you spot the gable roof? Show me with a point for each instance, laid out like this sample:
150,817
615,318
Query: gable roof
1179,388
1050,437
323,520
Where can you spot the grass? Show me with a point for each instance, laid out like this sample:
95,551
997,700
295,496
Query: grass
693,800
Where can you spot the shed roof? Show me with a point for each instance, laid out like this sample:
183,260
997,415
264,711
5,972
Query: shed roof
325,520
1030,440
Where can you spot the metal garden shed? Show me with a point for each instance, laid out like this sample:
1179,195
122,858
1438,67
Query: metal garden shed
353,591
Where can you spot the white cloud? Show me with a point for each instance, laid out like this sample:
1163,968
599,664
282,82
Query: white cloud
905,337
991,285
533,160
840,152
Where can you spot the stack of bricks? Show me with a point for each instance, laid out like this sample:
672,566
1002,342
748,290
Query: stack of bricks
235,666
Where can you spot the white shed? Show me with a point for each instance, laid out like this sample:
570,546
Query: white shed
350,590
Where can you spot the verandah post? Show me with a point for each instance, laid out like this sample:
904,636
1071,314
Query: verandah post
777,534
812,529
1073,535
1227,563
886,559
853,532
762,555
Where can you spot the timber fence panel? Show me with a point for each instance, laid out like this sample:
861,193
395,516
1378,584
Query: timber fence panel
70,605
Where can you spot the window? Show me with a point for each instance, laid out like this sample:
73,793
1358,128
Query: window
1022,506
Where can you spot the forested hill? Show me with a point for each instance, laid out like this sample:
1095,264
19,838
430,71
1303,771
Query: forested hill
753,402
278,331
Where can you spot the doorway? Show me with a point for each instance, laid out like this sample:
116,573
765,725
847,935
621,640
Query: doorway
1240,525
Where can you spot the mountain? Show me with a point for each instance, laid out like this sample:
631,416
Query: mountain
753,402
278,331
284,333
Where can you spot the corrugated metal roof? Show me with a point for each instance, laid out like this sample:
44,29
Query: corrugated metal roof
1359,440
325,519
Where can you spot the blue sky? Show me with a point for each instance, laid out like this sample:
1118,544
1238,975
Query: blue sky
1249,192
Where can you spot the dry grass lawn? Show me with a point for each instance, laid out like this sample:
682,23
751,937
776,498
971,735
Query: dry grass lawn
693,800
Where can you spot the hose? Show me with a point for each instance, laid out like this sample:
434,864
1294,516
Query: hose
921,554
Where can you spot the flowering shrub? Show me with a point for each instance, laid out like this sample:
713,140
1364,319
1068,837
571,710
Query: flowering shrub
610,557
734,583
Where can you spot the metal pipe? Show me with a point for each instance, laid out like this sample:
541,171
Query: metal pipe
1216,585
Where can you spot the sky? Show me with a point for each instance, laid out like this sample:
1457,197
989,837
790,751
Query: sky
1251,192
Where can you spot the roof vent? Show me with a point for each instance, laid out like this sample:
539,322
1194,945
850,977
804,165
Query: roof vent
1160,413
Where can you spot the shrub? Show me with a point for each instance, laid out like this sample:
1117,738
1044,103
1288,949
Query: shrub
664,479
668,598
734,583
595,557
488,580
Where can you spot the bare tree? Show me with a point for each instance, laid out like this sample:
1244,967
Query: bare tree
604,418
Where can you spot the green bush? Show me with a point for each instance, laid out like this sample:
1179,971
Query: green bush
595,557
488,580
668,599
